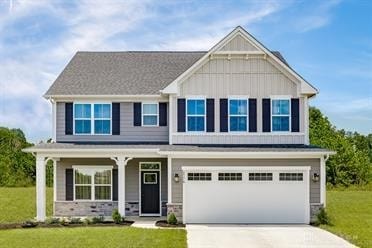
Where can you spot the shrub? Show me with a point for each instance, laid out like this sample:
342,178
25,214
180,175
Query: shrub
322,217
75,221
29,223
116,216
87,221
51,221
98,219
172,220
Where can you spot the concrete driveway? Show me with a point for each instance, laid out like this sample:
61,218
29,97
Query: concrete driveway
231,236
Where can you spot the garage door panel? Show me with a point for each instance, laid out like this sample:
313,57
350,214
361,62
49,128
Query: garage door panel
246,201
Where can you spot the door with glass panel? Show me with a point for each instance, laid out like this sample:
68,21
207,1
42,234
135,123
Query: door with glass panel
150,188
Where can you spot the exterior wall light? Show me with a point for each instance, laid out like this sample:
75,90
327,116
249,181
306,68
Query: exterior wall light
316,177
176,178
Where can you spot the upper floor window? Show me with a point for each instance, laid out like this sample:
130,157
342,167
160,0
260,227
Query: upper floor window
92,118
150,115
195,115
280,115
238,114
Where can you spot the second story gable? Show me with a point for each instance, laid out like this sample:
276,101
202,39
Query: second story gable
236,93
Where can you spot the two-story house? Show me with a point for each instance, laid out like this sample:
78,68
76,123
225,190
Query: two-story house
220,136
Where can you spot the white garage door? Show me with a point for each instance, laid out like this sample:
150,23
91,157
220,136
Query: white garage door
246,195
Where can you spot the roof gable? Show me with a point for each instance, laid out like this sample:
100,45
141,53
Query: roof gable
239,39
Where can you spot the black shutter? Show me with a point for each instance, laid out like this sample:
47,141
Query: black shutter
295,114
181,115
137,110
252,115
266,115
162,113
223,115
210,115
69,118
115,184
69,184
115,118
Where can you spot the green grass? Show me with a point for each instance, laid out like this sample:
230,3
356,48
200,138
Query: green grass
93,237
351,215
18,204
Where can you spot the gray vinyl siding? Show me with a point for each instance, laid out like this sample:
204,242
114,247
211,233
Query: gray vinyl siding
255,78
238,43
178,163
128,132
131,176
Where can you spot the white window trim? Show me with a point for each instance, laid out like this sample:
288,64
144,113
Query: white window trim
273,98
205,114
92,185
230,115
92,118
143,114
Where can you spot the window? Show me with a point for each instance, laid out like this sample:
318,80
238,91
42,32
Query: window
229,176
238,114
93,184
102,118
291,177
92,118
150,114
260,176
82,114
195,115
280,116
199,176
150,166
150,178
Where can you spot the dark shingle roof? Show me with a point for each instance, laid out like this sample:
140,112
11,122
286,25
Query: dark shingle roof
123,73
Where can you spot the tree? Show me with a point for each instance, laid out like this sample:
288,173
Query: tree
352,163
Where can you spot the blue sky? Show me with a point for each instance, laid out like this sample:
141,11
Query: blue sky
328,42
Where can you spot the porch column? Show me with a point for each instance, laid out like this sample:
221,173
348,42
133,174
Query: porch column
121,162
170,178
40,188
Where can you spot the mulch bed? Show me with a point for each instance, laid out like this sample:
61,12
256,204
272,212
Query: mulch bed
164,223
67,225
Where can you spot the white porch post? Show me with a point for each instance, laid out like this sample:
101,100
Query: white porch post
40,188
170,177
323,181
121,162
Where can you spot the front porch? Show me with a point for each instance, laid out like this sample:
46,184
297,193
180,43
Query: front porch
95,182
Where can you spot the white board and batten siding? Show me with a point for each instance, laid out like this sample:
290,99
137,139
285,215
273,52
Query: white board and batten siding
253,77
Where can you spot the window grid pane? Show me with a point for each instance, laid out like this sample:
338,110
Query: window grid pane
280,115
150,109
102,192
83,126
238,115
195,115
291,177
150,120
102,177
199,176
230,176
83,192
260,176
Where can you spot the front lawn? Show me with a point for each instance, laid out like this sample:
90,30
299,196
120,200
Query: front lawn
351,215
93,237
18,204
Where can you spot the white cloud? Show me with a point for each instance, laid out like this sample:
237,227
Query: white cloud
317,17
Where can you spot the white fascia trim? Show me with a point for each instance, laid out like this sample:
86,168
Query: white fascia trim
246,168
244,134
122,98
239,155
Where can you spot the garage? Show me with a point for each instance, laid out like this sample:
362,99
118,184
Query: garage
255,195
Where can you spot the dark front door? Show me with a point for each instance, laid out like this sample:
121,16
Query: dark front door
150,192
